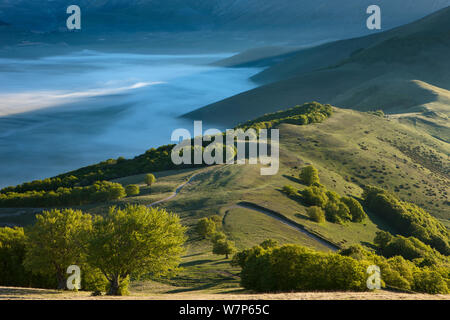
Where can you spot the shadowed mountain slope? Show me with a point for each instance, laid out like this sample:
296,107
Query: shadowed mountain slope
382,71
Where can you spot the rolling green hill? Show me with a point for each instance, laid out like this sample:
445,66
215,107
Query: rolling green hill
351,149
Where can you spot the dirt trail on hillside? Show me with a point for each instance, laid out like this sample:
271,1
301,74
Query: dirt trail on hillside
256,208
178,189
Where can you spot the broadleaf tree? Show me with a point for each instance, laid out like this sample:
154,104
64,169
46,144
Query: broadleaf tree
135,241
57,240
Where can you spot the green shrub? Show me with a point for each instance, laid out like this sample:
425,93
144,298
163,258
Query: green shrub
216,236
382,239
223,247
315,196
205,227
269,243
150,179
316,214
356,252
309,175
289,190
217,220
132,190
356,210
337,212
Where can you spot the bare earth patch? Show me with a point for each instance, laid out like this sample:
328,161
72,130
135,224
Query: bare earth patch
12,293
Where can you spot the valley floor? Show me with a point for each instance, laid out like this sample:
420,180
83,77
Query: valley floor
10,293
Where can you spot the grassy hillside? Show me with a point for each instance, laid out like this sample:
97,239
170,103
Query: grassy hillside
350,149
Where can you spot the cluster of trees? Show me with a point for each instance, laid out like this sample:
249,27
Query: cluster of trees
55,191
269,267
325,204
210,228
272,268
128,242
13,246
312,112
407,218
151,161
100,191
397,272
49,184
409,248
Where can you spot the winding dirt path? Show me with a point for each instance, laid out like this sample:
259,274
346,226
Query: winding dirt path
256,208
177,190
243,205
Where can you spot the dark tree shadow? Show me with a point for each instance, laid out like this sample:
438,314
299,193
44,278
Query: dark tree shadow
192,255
222,262
369,245
303,217
296,197
195,263
202,287
208,285
293,179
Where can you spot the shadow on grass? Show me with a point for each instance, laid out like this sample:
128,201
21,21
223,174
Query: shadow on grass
298,198
193,255
293,179
208,285
369,245
195,263
202,287
303,217
379,222
222,262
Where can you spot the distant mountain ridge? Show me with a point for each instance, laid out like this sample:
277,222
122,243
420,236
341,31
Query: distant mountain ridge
162,26
389,71
214,14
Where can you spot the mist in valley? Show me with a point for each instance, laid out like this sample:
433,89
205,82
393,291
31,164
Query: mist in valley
64,112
